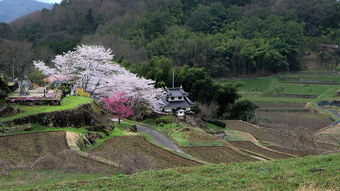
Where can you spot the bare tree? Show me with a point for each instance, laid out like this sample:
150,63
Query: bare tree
208,111
303,140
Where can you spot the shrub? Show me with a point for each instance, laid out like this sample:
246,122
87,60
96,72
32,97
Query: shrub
164,119
243,110
81,92
65,88
141,109
37,77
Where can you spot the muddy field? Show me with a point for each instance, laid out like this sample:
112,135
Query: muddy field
257,149
48,150
125,150
291,120
216,154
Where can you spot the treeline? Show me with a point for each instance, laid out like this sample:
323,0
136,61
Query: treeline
226,37
213,98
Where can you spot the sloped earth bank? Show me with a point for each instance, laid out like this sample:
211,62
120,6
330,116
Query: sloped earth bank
126,149
48,150
247,145
285,150
217,154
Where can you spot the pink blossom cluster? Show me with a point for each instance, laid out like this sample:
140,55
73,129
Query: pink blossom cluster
117,104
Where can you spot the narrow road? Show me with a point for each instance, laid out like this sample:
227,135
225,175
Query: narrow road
159,138
323,107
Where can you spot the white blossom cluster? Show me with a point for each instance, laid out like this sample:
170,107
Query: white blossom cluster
93,70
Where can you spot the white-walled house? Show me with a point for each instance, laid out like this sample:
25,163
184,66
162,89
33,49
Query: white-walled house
177,100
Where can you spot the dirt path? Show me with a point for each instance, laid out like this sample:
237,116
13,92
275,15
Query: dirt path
159,138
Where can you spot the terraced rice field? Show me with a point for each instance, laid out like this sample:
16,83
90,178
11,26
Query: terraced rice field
260,150
282,105
217,154
29,147
261,134
290,120
26,149
123,148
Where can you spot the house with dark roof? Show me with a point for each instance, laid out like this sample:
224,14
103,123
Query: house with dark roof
177,100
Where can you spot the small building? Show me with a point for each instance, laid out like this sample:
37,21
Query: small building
177,100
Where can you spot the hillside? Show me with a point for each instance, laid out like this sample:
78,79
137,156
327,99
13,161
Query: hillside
308,173
13,9
227,38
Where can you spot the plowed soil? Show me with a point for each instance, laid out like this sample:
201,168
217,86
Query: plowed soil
216,154
29,147
257,149
49,147
122,148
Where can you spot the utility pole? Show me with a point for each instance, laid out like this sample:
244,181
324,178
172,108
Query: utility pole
13,72
173,78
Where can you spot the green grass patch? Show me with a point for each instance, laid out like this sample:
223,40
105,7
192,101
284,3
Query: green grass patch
232,135
28,179
67,103
280,175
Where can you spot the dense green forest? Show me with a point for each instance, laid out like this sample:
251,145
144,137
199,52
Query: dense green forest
226,37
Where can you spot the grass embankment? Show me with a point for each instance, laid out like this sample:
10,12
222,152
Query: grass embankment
308,173
67,103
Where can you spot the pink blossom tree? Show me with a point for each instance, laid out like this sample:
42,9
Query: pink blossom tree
94,71
117,104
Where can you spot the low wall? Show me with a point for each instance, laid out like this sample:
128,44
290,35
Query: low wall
52,102
298,96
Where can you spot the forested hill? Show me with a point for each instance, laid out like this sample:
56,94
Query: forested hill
13,9
227,37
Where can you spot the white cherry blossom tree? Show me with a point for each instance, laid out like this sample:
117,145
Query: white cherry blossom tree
92,69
